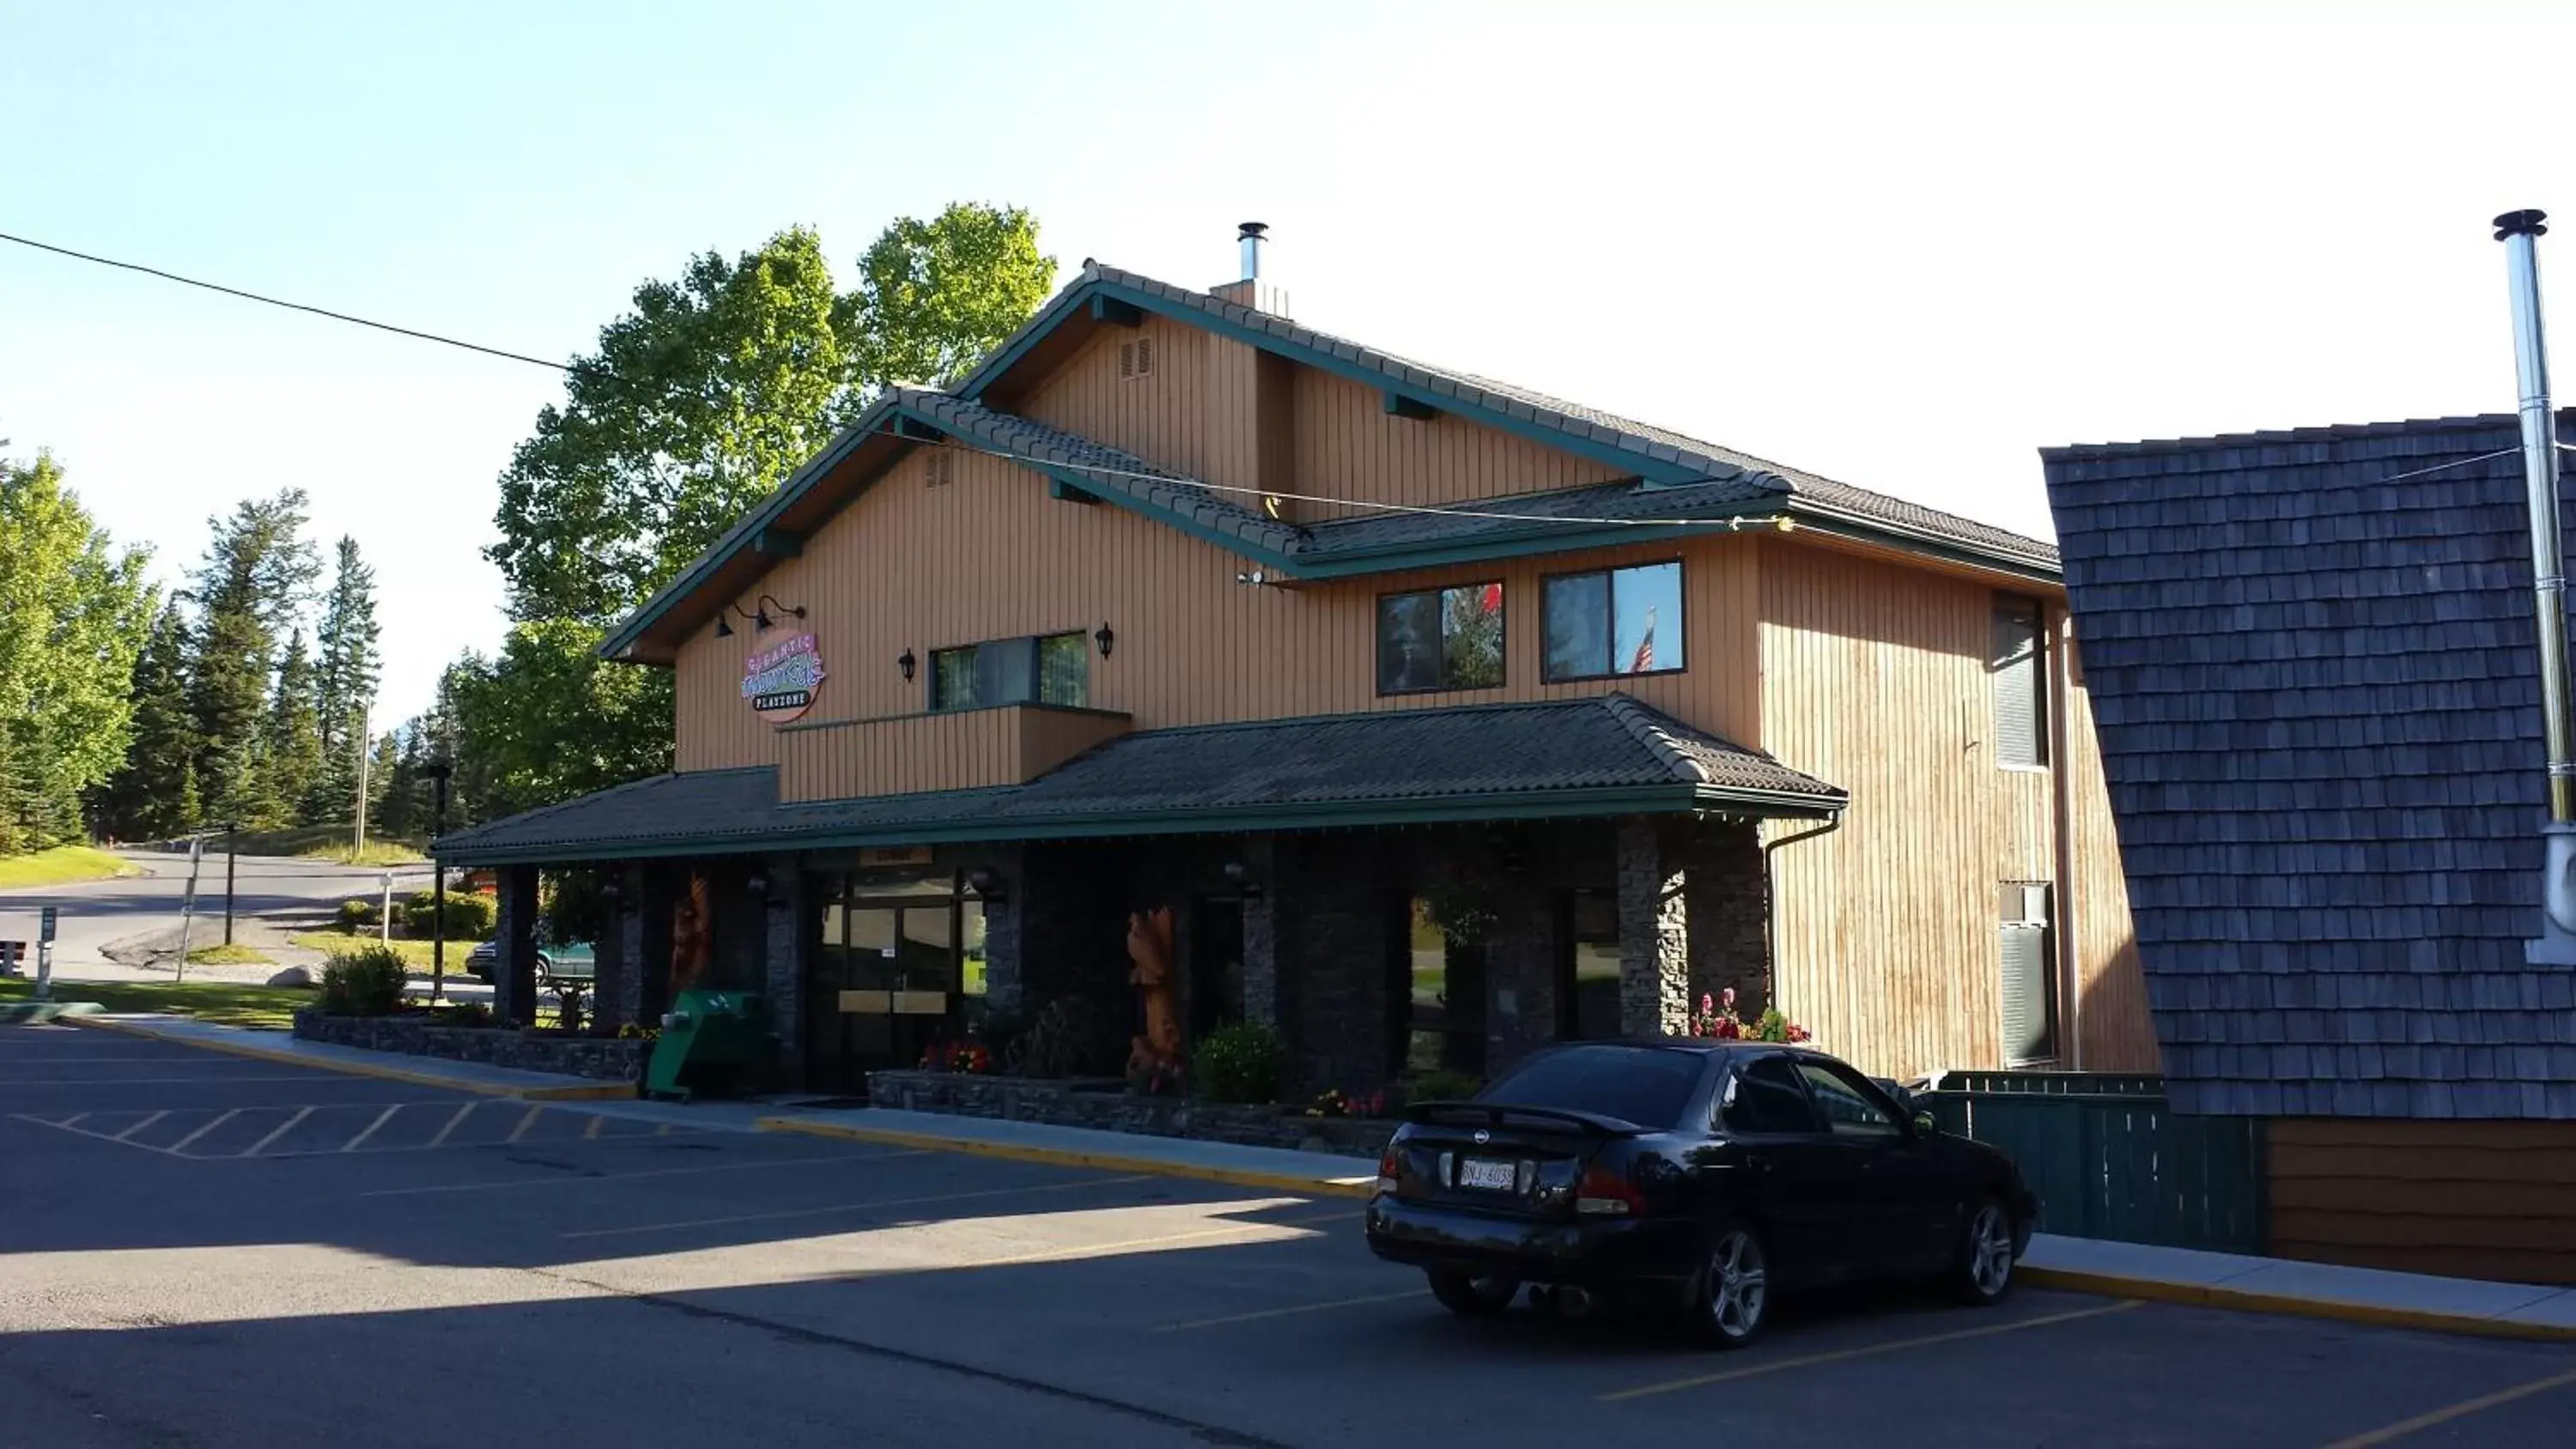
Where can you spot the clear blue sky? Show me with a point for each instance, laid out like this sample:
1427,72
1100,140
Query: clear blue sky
1902,252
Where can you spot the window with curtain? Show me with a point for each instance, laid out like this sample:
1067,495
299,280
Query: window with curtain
2021,686
1613,622
1448,638
1040,669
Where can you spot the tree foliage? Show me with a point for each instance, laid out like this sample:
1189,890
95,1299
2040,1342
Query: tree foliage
255,580
548,719
934,296
73,615
291,745
153,795
344,684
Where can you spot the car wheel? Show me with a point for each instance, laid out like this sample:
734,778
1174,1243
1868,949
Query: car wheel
1735,1287
1984,1271
1472,1296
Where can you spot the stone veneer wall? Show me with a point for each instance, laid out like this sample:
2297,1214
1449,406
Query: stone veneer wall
1058,1104
605,1058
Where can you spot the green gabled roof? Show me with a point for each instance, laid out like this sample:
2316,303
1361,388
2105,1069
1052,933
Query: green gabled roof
1600,755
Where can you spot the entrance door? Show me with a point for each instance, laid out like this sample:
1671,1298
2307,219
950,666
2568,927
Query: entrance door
890,979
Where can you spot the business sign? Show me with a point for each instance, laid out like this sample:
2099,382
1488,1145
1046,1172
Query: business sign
45,924
780,680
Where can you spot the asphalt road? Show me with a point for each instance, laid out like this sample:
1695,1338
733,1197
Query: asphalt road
207,1251
97,914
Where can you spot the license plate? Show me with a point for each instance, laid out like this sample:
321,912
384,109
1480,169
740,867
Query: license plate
1484,1173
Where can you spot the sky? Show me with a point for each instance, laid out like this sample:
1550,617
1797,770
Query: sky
1899,249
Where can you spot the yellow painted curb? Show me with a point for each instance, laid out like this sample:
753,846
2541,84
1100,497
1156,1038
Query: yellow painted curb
1063,1157
602,1092
2209,1295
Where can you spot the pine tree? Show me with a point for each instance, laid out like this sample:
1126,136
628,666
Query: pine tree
344,684
153,794
402,812
291,750
257,576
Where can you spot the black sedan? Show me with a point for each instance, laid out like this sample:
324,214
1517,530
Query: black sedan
1693,1174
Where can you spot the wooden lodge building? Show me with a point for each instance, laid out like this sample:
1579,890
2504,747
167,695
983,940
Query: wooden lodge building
1443,718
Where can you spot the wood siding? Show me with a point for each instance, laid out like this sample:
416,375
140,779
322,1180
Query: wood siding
908,567
1877,678
966,749
2463,1199
1349,447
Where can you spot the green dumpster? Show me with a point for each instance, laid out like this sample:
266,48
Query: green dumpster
712,1042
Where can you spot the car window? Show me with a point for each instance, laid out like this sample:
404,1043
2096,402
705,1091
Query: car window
1848,1107
1646,1085
1764,1095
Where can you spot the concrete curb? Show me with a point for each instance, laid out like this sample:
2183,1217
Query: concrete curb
33,1013
601,1092
1066,1157
2210,1295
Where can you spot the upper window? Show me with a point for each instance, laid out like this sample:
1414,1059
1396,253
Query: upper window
1850,1110
2021,686
1046,669
1440,639
1616,621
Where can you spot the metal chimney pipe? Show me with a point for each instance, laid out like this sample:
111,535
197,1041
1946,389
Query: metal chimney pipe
1249,234
2518,230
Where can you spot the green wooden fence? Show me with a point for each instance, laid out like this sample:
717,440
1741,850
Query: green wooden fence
2115,1163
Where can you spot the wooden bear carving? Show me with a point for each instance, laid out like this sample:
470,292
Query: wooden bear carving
1149,945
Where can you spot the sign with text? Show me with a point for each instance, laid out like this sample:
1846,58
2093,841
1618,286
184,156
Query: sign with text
780,680
45,924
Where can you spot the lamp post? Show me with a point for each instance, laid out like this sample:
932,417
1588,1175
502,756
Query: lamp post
439,770
232,832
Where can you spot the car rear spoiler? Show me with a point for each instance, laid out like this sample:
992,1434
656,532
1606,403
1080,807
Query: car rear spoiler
1484,1114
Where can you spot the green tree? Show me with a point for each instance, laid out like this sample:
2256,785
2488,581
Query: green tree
934,296
291,745
73,615
256,578
393,790
344,685
548,719
152,796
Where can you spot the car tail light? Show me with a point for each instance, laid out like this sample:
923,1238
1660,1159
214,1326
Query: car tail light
1390,1168
1604,1193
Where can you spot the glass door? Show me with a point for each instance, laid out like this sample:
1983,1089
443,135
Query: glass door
897,963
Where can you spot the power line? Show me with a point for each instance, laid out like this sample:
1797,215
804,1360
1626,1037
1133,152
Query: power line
1032,459
277,302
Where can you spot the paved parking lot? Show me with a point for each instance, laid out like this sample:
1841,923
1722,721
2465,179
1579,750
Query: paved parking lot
201,1250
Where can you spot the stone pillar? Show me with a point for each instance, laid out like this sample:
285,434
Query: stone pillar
654,900
514,946
610,991
1654,934
790,904
1005,964
627,923
1728,904
1261,933
1520,975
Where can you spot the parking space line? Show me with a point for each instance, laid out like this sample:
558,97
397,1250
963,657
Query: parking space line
139,1126
282,1129
382,1118
525,1123
182,1144
2460,1410
441,1139
558,1181
1866,1351
1288,1312
591,1132
855,1207
310,1079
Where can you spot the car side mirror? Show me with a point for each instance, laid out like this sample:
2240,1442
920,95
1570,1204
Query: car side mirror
1924,1125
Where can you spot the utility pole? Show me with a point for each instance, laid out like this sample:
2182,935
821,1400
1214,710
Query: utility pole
439,770
188,902
232,829
366,743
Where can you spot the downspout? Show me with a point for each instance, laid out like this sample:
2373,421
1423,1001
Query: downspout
2061,790
1771,900
2557,943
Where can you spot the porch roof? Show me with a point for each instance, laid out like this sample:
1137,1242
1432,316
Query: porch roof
1603,755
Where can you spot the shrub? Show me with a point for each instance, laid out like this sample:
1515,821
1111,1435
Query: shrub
367,981
356,915
1239,1063
1067,1038
470,917
466,1013
1443,1085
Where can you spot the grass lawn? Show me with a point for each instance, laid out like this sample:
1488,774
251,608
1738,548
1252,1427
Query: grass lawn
415,954
321,842
59,865
231,955
215,1001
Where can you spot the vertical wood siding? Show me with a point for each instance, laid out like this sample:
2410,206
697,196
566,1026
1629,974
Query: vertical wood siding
990,556
1348,447
2118,1034
2463,1199
968,749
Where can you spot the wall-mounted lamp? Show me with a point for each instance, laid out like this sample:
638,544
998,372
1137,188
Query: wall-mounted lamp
611,889
987,882
757,883
724,626
763,605
905,662
1240,877
1104,638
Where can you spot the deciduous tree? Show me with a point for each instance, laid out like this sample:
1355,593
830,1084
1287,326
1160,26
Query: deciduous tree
74,611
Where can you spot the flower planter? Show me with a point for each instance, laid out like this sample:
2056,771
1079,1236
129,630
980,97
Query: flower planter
1070,1104
604,1058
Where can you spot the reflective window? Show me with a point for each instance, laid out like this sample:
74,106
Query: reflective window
1764,1095
1614,622
1044,669
1850,1110
1440,639
1648,1086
